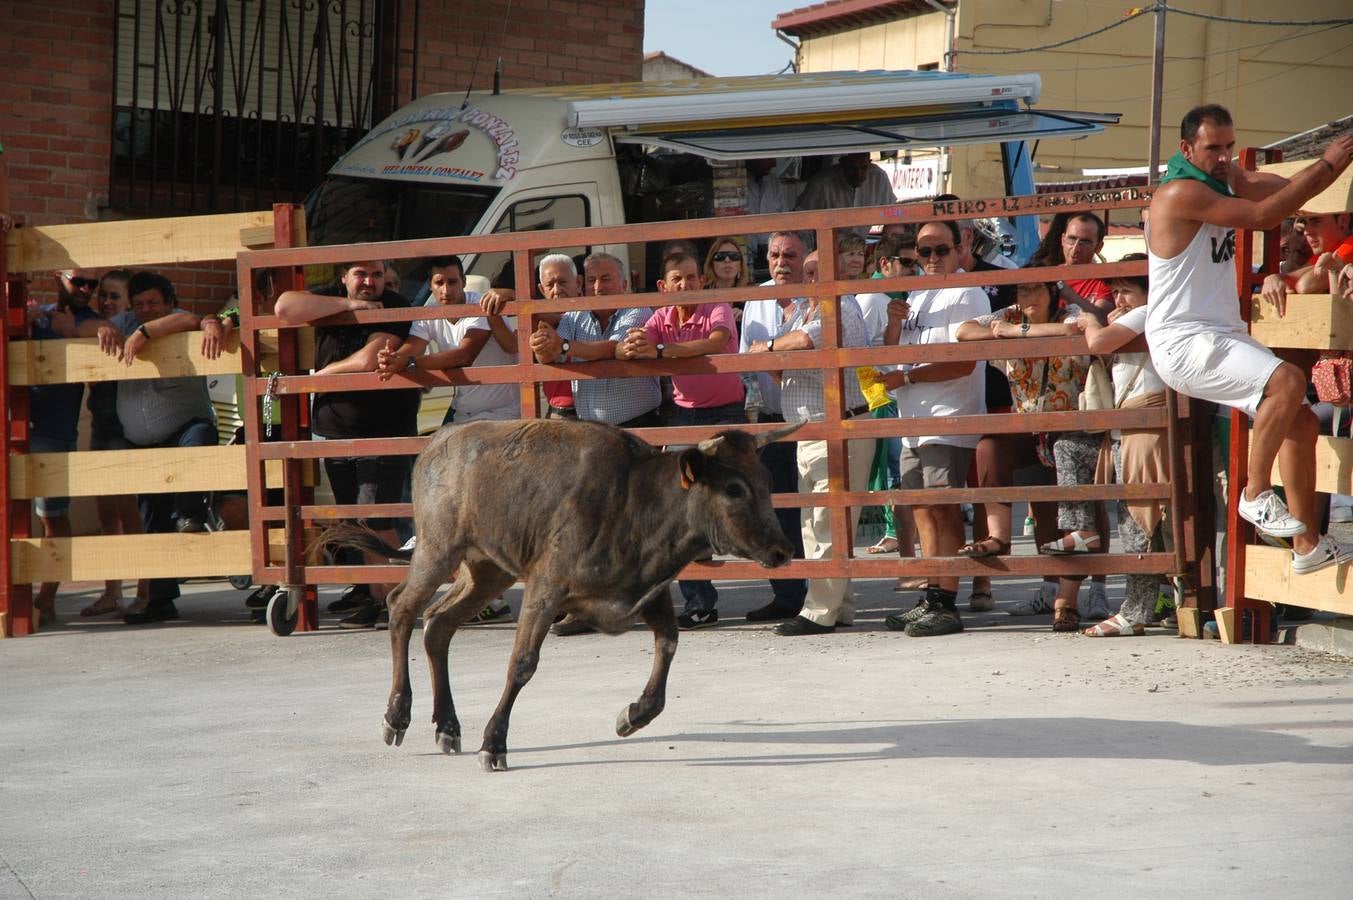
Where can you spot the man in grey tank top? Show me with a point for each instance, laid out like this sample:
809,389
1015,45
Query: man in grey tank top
1199,343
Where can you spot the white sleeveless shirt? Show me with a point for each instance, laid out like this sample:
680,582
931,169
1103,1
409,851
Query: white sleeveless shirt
1194,292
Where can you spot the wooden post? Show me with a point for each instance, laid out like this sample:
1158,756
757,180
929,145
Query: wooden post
17,617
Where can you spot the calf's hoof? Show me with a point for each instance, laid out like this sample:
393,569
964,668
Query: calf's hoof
448,742
492,762
391,734
623,726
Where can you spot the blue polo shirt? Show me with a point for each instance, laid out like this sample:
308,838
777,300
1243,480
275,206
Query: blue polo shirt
54,409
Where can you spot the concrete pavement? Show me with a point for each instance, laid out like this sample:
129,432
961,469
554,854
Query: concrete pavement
209,758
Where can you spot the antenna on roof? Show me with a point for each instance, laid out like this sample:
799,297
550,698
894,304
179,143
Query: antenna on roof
498,71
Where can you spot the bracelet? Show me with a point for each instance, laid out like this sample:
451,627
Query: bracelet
1328,164
145,333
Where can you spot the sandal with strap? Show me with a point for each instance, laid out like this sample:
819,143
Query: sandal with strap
985,548
1115,626
101,607
1072,542
1065,619
885,545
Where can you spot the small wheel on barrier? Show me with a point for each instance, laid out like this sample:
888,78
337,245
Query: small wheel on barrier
283,613
241,582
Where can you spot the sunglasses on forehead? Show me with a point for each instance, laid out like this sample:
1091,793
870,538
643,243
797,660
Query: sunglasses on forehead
940,250
726,256
90,283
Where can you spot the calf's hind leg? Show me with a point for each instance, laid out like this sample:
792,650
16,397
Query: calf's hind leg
476,585
662,620
532,627
406,603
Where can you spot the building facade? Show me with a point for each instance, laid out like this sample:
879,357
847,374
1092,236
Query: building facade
1277,81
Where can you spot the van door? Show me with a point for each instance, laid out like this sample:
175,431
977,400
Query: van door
543,209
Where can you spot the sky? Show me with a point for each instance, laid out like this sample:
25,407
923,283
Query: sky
723,37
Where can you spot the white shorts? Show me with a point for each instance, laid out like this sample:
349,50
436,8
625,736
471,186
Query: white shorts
1229,368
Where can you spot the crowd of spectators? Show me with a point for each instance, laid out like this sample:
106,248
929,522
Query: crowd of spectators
126,311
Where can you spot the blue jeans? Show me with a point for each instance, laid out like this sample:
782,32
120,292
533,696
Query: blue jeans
161,512
700,596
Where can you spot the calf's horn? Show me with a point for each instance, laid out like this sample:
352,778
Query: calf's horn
710,446
770,437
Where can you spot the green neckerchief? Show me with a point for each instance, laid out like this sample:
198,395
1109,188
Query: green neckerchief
892,295
1179,167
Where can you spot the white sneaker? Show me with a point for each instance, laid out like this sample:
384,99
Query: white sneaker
1094,604
1269,514
1039,604
409,545
1328,552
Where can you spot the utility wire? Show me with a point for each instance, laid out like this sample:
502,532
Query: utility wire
1139,11
1128,17
1234,20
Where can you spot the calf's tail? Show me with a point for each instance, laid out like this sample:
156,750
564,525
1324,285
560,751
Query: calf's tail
350,534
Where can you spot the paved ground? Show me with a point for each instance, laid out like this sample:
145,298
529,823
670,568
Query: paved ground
206,757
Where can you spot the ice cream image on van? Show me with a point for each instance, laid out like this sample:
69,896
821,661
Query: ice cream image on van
434,136
401,145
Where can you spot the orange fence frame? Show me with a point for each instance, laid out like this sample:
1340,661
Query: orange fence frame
1190,506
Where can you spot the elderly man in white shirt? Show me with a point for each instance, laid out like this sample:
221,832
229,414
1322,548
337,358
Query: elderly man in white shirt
853,181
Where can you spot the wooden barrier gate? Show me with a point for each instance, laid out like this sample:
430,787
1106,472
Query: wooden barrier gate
25,559
1188,491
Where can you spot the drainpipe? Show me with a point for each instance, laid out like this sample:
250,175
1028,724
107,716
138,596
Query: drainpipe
950,14
784,37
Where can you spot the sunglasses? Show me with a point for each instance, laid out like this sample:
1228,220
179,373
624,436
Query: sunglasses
90,283
940,250
726,256
901,260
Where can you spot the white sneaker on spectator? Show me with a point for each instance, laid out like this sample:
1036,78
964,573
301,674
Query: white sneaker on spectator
1328,552
1269,514
1039,604
1094,602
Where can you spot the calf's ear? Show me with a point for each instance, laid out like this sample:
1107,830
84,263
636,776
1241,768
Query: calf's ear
691,465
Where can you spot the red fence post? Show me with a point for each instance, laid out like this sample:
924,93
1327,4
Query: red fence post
16,600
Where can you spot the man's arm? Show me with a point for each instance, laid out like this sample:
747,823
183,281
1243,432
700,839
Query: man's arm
1256,206
365,359
126,351
391,361
297,307
463,354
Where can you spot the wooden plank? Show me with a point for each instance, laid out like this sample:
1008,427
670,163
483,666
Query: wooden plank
277,546
81,360
267,345
134,242
131,556
1333,465
1312,322
168,470
1336,198
1268,577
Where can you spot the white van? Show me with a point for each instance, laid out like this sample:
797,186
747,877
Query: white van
610,154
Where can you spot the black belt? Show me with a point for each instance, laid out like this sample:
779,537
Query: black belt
857,411
561,412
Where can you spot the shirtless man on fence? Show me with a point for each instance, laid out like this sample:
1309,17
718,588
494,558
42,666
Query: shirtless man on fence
1199,343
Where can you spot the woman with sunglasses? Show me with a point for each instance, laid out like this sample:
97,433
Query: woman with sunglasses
725,266
1050,384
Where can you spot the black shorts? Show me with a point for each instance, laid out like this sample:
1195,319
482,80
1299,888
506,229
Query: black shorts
368,479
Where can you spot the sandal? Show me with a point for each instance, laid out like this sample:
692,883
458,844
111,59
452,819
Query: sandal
1115,626
1072,542
981,601
986,547
1066,618
101,607
885,545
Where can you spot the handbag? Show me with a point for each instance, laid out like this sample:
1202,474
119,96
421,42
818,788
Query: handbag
1098,391
1332,375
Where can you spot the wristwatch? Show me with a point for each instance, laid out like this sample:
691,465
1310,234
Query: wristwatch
563,347
1024,329
145,333
770,344
660,348
412,363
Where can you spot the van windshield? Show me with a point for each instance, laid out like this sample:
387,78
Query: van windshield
346,210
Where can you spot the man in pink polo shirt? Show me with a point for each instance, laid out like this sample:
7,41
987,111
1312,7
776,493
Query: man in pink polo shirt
679,332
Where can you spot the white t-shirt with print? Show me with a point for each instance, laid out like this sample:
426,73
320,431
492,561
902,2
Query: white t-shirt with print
935,318
485,400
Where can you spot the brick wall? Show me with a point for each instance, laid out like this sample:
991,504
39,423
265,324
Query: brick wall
56,106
